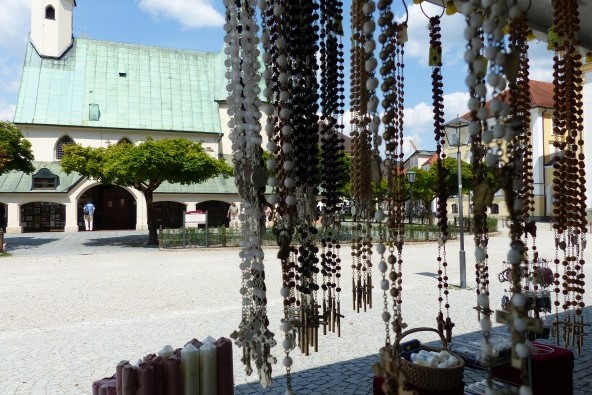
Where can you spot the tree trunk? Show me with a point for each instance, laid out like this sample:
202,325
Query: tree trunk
152,231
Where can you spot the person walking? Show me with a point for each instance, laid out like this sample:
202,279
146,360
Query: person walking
89,211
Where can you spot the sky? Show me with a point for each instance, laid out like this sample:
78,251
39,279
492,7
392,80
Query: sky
197,25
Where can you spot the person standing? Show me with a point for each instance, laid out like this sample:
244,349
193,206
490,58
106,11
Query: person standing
89,211
233,216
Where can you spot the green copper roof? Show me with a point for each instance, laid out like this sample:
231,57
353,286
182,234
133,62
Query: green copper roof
19,182
134,86
216,185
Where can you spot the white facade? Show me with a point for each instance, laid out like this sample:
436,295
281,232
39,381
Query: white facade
51,26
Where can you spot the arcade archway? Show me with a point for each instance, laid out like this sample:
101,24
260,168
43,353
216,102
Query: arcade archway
217,212
115,208
169,214
43,217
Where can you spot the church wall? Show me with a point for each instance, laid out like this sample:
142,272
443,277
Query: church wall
44,138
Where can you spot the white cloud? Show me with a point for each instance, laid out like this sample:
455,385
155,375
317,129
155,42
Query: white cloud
6,111
15,21
419,121
540,61
192,14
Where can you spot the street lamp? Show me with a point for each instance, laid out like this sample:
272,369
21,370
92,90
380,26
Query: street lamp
411,178
457,135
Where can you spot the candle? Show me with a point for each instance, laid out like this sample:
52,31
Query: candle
174,379
103,383
207,367
119,376
130,380
166,352
159,365
190,369
225,377
146,379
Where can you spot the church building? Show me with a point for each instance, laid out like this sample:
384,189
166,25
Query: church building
97,93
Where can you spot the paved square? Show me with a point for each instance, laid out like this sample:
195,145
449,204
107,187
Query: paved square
73,305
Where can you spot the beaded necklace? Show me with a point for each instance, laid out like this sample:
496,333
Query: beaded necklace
332,156
569,205
393,37
445,325
483,193
361,82
253,335
278,129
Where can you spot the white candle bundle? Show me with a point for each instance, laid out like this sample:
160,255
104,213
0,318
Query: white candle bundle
208,366
190,369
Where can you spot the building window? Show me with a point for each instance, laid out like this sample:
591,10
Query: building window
50,13
124,140
494,208
45,179
455,208
62,142
94,112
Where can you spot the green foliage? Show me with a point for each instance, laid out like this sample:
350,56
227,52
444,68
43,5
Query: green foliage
15,150
451,175
145,167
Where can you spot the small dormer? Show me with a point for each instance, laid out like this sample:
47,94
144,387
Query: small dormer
45,179
52,27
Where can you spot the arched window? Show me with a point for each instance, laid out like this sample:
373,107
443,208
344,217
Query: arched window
62,142
124,140
50,12
455,208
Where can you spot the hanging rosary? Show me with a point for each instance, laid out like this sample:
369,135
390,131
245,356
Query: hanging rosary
278,129
445,325
242,63
393,37
332,156
361,82
569,204
483,192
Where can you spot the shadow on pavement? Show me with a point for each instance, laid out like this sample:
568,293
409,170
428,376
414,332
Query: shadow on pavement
355,376
20,243
348,377
134,241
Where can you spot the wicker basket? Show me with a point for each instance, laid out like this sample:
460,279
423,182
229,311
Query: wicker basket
428,378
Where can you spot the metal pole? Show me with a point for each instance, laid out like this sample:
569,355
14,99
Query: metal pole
461,253
410,203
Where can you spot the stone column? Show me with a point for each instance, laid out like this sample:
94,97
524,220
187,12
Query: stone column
71,217
14,218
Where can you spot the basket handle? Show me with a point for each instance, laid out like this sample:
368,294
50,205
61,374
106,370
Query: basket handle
421,329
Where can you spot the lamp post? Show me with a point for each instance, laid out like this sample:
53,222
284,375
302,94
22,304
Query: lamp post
411,178
457,135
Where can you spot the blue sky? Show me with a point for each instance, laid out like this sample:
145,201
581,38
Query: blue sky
197,25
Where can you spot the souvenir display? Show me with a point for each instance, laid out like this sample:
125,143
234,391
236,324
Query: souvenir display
197,368
445,325
393,36
243,66
363,85
332,157
569,191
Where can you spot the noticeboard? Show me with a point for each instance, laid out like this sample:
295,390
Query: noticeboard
195,218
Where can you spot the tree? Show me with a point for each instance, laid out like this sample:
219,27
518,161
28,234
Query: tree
451,176
15,150
145,167
424,189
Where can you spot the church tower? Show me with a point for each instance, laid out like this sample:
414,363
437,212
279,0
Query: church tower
51,26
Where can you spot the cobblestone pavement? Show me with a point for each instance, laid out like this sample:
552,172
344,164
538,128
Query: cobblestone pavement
73,305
